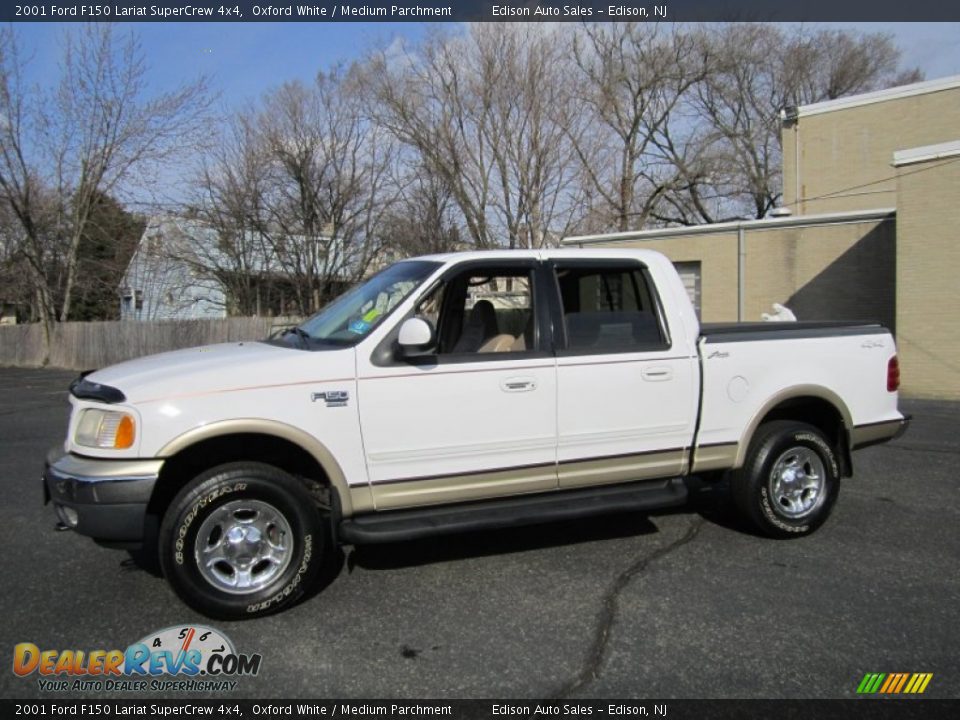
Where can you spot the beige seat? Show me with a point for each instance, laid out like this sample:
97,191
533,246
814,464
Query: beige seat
503,342
480,329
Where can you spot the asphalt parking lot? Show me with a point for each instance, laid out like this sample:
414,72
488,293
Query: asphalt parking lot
677,605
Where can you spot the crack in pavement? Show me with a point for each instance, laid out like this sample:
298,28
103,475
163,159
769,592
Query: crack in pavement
601,636
920,448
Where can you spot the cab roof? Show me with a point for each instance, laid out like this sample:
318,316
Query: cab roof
546,254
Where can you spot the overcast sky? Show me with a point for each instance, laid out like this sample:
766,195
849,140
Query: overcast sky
245,59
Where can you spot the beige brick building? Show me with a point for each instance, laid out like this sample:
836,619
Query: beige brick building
928,266
873,183
837,155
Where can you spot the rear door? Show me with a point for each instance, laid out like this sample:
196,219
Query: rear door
626,391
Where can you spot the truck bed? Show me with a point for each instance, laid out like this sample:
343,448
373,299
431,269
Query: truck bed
839,369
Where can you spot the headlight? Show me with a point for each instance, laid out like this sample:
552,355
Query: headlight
106,429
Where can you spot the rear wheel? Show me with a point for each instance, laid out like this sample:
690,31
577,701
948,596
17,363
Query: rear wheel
241,540
790,480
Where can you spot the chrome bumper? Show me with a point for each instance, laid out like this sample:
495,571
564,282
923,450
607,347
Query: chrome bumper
103,499
876,433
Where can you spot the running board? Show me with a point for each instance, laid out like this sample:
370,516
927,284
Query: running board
396,525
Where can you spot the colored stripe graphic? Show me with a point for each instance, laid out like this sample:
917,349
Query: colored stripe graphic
891,681
900,682
894,683
875,685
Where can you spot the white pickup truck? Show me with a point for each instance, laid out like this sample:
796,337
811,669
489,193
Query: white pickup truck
459,392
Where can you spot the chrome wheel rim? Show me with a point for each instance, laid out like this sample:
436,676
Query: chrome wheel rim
797,482
243,546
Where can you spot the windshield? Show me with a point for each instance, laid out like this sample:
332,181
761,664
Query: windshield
355,314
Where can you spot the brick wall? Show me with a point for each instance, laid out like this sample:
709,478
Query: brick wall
822,271
928,275
849,150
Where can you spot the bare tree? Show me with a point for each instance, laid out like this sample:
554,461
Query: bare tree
825,64
330,183
21,189
424,220
632,78
233,190
522,75
731,164
479,112
97,133
297,191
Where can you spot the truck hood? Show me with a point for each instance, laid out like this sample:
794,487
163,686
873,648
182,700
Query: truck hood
212,368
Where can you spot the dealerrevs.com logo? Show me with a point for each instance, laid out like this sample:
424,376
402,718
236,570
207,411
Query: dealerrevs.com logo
188,658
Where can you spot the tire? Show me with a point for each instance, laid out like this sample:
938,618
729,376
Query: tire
790,480
242,540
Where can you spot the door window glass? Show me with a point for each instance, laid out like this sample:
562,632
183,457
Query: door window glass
482,312
609,309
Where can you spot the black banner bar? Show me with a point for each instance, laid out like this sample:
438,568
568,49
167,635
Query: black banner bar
873,708
323,11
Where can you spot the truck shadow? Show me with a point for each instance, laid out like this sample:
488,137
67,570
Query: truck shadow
710,500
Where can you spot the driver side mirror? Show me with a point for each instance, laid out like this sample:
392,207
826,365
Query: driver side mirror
416,337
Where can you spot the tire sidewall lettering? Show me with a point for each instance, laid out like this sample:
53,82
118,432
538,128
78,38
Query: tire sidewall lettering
292,585
826,452
767,508
194,511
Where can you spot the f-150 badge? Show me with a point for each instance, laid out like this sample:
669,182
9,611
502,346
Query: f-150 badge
333,398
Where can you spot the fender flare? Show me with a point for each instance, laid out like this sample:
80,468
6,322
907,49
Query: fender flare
316,449
791,393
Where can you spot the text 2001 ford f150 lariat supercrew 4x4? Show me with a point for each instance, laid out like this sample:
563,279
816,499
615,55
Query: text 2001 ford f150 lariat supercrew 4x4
456,392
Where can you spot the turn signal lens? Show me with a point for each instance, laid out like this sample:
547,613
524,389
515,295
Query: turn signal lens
124,436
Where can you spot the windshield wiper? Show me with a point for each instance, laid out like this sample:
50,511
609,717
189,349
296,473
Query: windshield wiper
302,334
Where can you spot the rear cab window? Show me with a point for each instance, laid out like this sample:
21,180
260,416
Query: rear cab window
609,307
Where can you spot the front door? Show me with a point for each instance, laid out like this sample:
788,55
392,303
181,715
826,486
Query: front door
474,417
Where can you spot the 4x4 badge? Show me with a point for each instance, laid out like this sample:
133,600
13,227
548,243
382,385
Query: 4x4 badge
333,398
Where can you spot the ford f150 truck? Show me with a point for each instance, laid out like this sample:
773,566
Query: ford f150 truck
459,392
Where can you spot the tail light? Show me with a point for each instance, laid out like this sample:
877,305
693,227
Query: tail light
893,374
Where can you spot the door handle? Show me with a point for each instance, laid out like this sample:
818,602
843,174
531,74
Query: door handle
657,373
518,384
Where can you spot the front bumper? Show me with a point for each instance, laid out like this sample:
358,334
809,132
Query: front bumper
103,499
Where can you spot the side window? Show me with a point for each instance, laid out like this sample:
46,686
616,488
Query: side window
609,309
481,312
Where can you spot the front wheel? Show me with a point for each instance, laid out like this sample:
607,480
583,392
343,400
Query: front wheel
241,540
790,480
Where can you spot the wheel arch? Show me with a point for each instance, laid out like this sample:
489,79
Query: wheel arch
240,439
812,404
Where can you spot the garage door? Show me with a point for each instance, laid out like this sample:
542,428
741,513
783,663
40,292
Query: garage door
690,274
